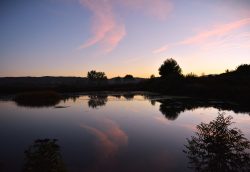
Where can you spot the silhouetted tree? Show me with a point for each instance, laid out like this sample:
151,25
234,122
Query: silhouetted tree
170,68
128,77
244,68
93,75
216,147
97,100
152,76
191,75
44,156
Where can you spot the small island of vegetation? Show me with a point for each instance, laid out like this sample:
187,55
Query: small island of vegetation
38,98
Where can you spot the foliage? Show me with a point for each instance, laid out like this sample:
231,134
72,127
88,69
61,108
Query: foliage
169,68
244,69
128,77
38,99
216,147
44,156
93,75
191,75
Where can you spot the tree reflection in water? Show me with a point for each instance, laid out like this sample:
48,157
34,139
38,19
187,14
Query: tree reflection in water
97,100
216,147
171,110
44,156
129,96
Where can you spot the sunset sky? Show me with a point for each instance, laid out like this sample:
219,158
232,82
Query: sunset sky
71,37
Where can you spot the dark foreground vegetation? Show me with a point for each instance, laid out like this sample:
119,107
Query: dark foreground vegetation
44,155
217,146
231,86
38,99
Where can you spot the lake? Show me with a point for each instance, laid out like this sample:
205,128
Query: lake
111,131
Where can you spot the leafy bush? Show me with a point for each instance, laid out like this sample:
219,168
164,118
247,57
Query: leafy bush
216,147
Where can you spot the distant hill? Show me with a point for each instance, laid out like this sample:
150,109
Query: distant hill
19,84
40,81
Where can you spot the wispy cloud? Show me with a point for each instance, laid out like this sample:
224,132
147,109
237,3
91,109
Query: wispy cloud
156,8
106,29
219,30
238,40
161,49
203,37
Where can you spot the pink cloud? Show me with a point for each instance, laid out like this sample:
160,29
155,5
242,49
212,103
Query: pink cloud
104,24
209,37
216,31
237,40
161,49
106,29
114,37
156,8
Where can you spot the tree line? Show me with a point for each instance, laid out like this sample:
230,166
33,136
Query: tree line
169,69
94,75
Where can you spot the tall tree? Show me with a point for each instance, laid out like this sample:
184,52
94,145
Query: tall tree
170,68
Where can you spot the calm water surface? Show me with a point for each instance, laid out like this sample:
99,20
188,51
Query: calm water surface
109,133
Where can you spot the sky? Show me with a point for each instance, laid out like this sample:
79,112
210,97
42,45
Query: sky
119,37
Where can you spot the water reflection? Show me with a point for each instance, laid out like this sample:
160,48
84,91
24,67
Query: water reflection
44,156
97,101
129,96
108,141
170,109
217,147
109,138
118,96
124,136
